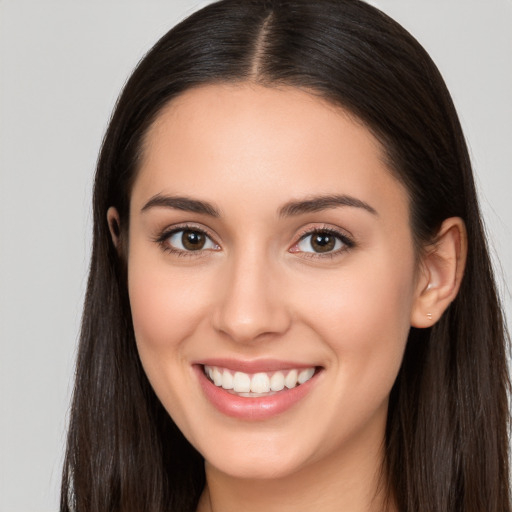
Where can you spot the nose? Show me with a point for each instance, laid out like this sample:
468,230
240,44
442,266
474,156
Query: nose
251,302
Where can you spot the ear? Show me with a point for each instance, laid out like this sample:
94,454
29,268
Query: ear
114,226
442,268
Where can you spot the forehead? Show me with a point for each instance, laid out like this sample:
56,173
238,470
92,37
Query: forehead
277,143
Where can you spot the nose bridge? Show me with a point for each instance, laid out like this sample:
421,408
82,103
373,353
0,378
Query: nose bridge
250,304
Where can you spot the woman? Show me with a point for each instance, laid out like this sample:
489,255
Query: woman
290,301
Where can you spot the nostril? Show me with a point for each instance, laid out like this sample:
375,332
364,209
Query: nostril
247,323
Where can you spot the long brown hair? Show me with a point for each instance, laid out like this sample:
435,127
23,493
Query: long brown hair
447,430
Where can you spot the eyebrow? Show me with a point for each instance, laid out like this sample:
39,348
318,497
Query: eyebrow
182,203
318,203
290,209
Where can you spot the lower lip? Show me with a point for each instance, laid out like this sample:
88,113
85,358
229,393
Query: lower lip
252,408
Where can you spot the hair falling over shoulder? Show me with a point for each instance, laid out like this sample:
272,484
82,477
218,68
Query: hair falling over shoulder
447,431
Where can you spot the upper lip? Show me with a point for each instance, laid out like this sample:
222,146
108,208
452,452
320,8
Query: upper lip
254,366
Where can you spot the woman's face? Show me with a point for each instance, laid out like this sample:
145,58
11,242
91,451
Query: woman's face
270,248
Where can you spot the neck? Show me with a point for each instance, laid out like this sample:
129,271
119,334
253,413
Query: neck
352,482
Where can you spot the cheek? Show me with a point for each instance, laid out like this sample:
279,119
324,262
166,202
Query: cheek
166,305
365,320
374,309
364,314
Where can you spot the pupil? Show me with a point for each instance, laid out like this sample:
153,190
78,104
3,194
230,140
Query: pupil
193,240
323,242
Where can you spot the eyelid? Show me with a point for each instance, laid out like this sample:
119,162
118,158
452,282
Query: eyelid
346,239
169,231
341,234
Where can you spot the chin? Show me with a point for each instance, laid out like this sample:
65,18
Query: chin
258,457
254,468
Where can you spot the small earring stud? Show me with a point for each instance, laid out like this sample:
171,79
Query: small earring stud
429,316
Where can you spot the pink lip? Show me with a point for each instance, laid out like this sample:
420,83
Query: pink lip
252,408
256,366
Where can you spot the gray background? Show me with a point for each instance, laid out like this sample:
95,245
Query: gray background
62,65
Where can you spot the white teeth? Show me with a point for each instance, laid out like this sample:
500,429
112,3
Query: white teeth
258,384
217,377
305,375
241,382
291,379
227,380
277,381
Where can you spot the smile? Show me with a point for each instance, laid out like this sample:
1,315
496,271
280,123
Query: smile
256,391
257,384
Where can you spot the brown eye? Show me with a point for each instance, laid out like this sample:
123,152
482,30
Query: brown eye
323,242
193,240
188,240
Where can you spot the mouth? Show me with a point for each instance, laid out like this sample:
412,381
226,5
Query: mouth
257,391
259,384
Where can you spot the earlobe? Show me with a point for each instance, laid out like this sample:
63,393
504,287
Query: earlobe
441,273
114,225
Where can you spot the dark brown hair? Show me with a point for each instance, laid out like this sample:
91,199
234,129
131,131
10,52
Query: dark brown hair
447,430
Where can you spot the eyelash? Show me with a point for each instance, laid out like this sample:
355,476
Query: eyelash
163,240
347,243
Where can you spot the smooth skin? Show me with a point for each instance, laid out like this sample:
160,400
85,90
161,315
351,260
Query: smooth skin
243,277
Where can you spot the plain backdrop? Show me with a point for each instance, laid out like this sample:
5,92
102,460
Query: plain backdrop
62,64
